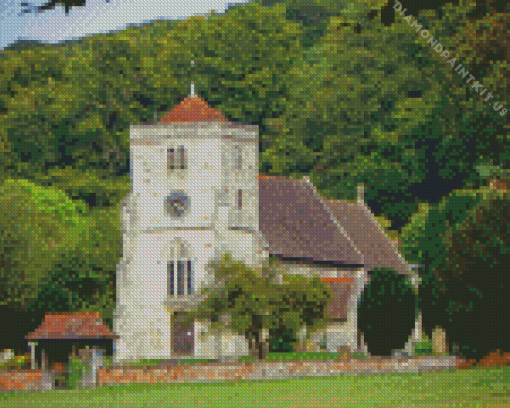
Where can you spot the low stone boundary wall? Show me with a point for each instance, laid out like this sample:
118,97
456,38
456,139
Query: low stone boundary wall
36,380
218,372
20,380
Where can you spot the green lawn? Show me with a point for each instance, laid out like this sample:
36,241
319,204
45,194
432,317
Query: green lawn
452,388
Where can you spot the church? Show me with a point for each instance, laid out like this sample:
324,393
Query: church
197,194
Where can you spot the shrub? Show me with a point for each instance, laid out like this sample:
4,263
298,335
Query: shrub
387,312
17,363
77,368
423,348
281,340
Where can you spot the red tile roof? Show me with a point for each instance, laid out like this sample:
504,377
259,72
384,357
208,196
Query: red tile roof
75,326
192,109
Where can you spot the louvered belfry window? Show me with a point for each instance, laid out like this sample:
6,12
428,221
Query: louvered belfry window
176,158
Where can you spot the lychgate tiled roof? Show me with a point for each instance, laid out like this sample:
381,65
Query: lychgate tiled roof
370,240
75,326
296,224
193,109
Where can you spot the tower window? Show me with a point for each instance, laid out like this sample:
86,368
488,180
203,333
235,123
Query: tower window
180,278
239,199
190,278
171,278
176,158
238,158
183,280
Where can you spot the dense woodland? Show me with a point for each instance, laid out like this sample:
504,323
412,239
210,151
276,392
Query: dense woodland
342,93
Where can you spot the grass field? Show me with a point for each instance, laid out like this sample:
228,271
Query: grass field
479,387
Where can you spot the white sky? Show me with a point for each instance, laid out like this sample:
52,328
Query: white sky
96,17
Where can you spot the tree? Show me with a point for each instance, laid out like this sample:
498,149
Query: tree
299,302
38,223
241,294
387,311
54,256
423,242
253,301
99,189
474,276
423,238
463,245
242,61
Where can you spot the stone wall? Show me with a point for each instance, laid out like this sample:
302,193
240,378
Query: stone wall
268,370
34,380
20,380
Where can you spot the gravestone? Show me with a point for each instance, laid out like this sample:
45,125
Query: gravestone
439,340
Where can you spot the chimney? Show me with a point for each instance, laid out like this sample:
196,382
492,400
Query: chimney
361,194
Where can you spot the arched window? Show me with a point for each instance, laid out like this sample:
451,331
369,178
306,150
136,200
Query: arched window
180,270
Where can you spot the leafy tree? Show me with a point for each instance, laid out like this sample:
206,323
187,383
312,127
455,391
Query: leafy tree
299,301
244,58
55,255
385,225
433,303
423,238
38,222
424,241
325,122
387,311
413,236
474,277
98,189
241,294
253,301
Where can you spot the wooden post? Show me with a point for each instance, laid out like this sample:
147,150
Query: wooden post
32,345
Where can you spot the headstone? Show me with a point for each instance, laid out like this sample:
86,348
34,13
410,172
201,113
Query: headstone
439,341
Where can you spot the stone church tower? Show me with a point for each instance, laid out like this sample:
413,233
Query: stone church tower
194,196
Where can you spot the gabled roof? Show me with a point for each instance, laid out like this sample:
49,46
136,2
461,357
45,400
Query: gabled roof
192,109
369,238
296,223
75,326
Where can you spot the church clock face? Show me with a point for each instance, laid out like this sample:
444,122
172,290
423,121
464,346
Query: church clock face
177,203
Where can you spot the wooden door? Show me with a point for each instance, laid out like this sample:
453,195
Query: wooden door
183,337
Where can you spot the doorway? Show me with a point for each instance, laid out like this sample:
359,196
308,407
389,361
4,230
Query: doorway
183,336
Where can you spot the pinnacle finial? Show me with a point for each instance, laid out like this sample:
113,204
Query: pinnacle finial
192,94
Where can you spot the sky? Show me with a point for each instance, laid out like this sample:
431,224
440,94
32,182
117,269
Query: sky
97,16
